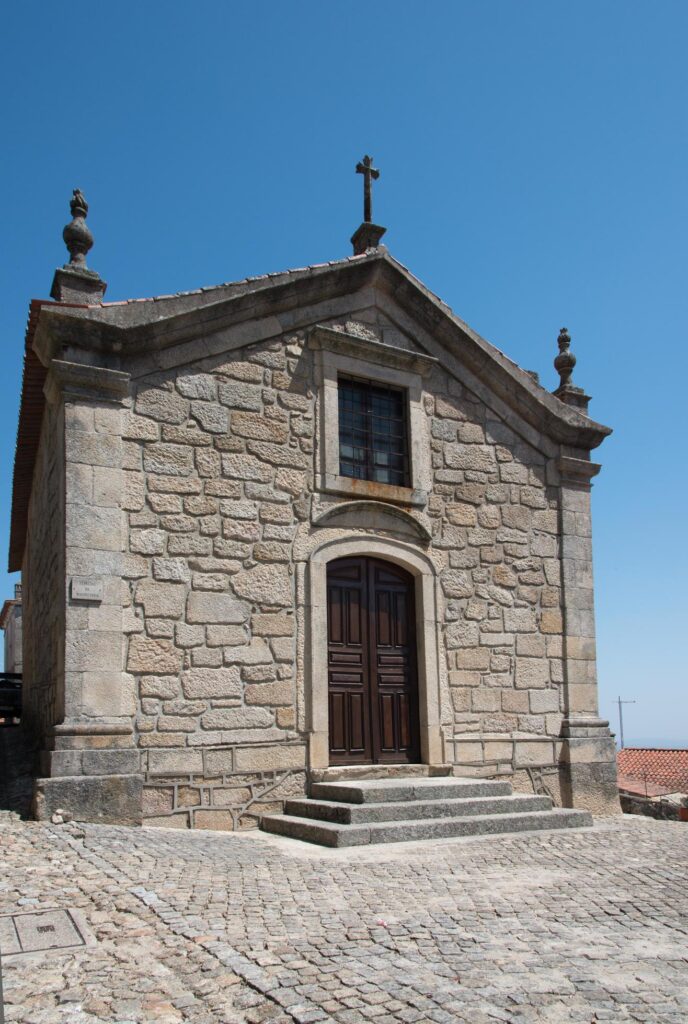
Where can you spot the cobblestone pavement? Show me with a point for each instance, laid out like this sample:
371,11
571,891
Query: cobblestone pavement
576,926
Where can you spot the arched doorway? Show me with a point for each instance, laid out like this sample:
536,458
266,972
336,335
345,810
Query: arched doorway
372,665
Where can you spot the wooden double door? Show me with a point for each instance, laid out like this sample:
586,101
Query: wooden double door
372,663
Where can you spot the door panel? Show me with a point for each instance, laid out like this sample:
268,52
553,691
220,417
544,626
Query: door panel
372,677
348,663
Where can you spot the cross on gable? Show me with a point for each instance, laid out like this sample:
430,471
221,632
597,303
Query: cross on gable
370,173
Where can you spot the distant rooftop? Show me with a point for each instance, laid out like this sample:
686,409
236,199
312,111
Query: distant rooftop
662,770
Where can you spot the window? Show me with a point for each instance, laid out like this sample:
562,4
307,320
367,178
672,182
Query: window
373,432
372,426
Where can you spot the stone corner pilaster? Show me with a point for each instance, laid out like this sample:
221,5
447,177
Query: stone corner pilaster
104,799
587,753
588,765
90,765
92,771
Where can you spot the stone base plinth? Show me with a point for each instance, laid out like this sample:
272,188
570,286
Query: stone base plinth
588,766
77,285
106,799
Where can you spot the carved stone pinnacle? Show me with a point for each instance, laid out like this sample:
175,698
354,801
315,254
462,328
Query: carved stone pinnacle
76,234
565,361
74,283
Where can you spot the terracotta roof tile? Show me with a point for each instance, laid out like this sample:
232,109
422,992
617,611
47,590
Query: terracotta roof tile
664,768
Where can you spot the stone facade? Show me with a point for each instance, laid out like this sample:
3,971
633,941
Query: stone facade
201,507
43,575
11,623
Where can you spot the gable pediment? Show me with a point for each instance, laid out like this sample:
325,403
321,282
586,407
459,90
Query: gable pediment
151,336
154,335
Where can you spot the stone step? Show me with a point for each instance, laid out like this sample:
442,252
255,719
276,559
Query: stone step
413,810
327,833
386,791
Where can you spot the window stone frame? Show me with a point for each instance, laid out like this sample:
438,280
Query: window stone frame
339,353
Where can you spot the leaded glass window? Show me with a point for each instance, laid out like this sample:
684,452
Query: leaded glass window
373,432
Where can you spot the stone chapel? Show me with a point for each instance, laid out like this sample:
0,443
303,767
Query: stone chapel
302,528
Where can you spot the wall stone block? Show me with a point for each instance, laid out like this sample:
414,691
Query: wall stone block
273,624
169,762
163,406
153,656
197,385
212,683
270,694
276,455
172,485
242,396
532,672
270,758
265,585
171,570
551,622
206,608
212,417
169,459
238,718
165,600
255,653
226,636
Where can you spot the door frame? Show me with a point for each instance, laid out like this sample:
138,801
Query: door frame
428,618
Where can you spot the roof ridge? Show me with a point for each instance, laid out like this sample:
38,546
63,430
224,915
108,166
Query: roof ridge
667,750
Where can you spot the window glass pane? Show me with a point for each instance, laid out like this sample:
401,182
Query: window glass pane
372,432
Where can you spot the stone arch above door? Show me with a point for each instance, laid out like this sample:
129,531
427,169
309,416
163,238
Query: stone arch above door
427,597
376,515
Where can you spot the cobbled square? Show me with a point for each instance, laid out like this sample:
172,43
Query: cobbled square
556,928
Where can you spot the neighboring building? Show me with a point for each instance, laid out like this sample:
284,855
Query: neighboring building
302,520
652,771
11,625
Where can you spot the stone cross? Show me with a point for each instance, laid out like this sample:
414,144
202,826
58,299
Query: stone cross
365,167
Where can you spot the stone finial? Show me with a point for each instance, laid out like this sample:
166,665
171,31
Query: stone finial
76,234
74,282
564,363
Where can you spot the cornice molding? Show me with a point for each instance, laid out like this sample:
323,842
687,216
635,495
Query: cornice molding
79,380
577,470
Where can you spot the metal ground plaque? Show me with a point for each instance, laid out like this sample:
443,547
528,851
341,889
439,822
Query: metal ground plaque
43,931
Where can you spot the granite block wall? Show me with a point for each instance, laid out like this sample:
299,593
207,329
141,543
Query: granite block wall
216,482
218,476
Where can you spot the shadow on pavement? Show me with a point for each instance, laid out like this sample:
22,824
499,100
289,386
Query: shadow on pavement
16,771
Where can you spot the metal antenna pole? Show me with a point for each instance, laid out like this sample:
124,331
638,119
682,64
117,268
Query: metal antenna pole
621,703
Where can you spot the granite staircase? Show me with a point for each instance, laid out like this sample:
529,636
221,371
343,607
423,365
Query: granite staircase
396,810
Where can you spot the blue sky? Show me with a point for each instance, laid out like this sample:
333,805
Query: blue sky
533,159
